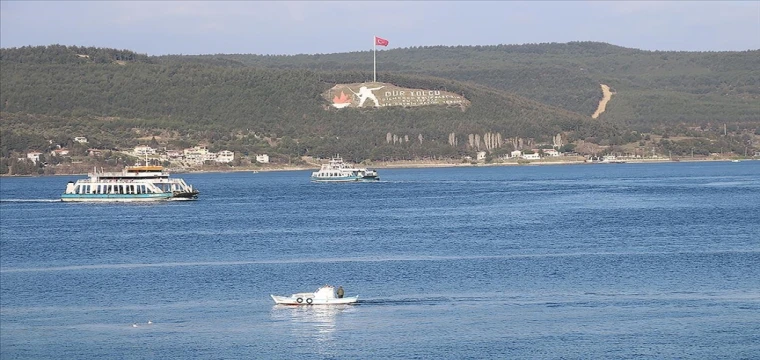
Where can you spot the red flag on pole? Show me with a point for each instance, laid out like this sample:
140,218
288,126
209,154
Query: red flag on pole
381,41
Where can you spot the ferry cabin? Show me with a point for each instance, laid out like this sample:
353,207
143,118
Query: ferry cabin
120,188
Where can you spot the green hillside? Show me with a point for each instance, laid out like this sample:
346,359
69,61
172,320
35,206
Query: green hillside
651,86
245,108
523,95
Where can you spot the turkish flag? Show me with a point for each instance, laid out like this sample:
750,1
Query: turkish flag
381,41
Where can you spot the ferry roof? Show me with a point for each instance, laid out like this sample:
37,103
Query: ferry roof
144,168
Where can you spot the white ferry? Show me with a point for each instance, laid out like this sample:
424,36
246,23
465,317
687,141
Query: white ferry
338,171
134,183
611,159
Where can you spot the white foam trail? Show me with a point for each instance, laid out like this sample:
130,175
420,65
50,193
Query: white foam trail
728,183
30,200
336,260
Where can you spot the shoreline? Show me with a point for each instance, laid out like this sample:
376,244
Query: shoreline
428,164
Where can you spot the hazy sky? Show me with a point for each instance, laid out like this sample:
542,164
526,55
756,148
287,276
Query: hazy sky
311,27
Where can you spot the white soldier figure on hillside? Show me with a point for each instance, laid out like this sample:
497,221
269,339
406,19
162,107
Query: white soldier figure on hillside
366,93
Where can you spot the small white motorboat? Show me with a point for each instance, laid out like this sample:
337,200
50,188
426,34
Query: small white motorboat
325,295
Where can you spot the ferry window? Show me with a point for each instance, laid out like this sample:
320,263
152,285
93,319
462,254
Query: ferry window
76,190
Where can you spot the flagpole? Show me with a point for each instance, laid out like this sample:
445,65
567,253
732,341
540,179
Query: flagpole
374,58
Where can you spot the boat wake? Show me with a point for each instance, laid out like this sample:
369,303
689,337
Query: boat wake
432,300
405,301
29,200
729,183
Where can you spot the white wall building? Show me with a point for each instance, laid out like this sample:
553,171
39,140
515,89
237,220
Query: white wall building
516,153
481,155
34,156
263,158
533,156
551,152
142,150
197,154
173,154
225,156
60,152
81,139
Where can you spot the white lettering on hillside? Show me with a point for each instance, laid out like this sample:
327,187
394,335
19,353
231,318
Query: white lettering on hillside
419,97
392,97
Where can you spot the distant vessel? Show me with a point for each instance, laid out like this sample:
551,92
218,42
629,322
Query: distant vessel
323,296
134,183
611,159
338,171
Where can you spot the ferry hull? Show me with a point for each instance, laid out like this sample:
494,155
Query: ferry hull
115,197
344,179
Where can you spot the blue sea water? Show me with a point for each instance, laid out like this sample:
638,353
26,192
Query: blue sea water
616,261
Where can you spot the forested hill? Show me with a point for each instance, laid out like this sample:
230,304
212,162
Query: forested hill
59,54
652,88
520,96
248,109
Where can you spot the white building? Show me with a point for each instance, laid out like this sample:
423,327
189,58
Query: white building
264,158
196,150
81,139
551,152
94,152
60,152
481,155
34,156
197,154
533,156
225,156
516,153
173,154
142,150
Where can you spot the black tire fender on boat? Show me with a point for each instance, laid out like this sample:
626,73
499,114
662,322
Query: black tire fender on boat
299,300
309,301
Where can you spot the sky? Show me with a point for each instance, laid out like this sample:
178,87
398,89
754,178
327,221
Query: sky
323,27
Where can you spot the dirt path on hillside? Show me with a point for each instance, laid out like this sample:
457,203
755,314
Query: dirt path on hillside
607,95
